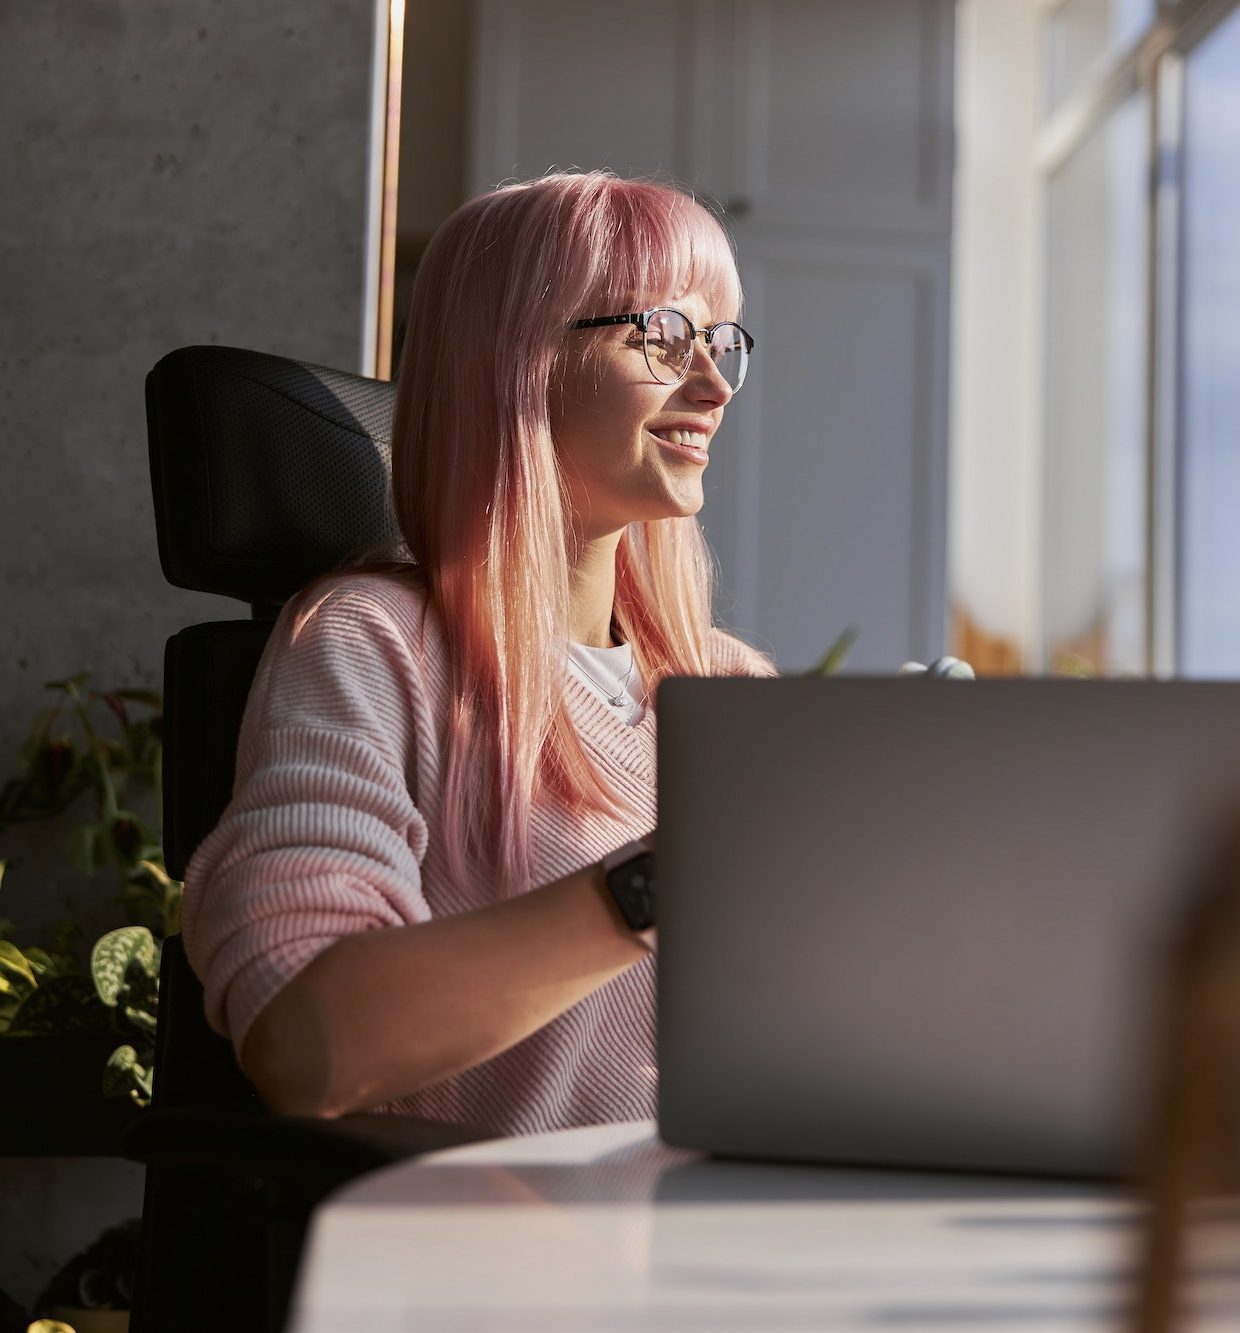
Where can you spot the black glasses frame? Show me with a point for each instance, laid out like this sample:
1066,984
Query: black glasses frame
642,322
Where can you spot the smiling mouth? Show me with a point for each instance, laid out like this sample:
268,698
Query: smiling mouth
694,439
693,451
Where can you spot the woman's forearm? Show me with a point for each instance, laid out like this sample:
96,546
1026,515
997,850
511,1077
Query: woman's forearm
384,1013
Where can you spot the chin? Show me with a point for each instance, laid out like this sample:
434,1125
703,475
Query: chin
673,507
665,502
687,505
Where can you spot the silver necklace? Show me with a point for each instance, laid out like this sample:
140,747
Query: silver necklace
617,699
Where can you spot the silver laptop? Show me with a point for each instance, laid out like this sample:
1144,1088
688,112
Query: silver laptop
911,922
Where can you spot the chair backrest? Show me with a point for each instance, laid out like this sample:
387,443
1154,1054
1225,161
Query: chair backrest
266,473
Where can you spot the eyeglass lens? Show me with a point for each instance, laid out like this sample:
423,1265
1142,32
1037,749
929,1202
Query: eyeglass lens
669,348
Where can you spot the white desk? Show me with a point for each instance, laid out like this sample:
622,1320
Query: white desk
605,1228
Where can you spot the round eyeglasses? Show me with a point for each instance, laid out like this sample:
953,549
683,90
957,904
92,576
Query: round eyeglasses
668,338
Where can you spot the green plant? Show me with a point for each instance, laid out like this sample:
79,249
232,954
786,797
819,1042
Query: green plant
113,990
831,661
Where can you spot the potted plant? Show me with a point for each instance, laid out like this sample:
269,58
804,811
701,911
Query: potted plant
78,1020
77,1017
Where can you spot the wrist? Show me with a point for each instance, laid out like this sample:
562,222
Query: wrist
628,879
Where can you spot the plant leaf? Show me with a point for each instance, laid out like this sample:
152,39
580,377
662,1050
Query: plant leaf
129,838
15,967
143,1021
833,658
118,1072
69,684
153,868
144,1076
113,953
114,703
40,961
151,897
152,698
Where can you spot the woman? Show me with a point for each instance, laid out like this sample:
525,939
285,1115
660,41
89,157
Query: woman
453,749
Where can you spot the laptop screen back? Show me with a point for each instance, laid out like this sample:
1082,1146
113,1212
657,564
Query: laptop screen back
925,923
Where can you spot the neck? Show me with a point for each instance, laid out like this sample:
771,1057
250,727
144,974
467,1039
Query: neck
592,591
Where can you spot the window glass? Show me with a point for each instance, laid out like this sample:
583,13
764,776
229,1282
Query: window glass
1081,34
1094,530
1209,501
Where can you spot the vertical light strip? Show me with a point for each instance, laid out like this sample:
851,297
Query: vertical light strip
391,170
375,155
379,263
1164,334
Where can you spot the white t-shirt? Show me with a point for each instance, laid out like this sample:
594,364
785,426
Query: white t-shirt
612,675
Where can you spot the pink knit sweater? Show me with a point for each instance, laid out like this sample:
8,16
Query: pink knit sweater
334,827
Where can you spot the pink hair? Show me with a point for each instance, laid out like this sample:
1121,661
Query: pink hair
481,501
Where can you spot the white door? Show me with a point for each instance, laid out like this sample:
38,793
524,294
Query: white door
825,127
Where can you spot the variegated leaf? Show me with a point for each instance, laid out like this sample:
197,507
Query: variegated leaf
118,1073
113,953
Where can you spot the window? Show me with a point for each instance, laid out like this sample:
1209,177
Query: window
1209,490
1094,538
1080,37
1139,576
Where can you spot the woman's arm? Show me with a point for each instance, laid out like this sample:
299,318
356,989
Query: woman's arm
382,1013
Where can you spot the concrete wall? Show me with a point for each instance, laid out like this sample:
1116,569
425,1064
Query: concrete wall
169,174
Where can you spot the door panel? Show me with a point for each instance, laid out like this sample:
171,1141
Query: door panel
565,84
845,114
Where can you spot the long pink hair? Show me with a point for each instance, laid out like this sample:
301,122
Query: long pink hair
481,501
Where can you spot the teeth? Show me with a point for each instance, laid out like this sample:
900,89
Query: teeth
681,437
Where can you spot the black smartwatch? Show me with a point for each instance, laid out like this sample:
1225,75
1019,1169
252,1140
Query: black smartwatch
629,875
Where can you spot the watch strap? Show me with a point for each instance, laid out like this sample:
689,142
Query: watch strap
628,874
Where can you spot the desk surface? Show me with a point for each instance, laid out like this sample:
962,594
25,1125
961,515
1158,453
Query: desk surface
605,1228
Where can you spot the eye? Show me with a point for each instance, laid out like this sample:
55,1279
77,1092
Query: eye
668,334
725,341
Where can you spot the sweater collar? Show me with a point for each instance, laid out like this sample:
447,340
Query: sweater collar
606,734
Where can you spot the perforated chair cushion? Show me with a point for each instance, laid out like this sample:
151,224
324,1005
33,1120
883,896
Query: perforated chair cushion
266,471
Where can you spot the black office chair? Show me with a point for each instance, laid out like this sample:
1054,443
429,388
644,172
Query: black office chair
266,472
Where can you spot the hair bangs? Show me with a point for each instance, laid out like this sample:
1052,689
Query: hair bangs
663,244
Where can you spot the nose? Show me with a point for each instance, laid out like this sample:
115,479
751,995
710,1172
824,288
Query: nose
703,382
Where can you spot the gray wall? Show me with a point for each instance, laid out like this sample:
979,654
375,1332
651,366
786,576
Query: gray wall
171,174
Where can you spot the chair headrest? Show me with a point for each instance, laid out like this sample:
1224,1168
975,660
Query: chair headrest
266,472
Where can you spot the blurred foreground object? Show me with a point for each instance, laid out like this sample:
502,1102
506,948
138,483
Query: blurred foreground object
942,668
1193,1228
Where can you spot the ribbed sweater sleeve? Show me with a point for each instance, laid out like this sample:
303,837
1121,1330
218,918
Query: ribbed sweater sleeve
734,657
322,838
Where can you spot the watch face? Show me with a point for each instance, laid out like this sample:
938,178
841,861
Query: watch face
632,886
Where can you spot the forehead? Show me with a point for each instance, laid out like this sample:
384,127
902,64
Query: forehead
698,308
